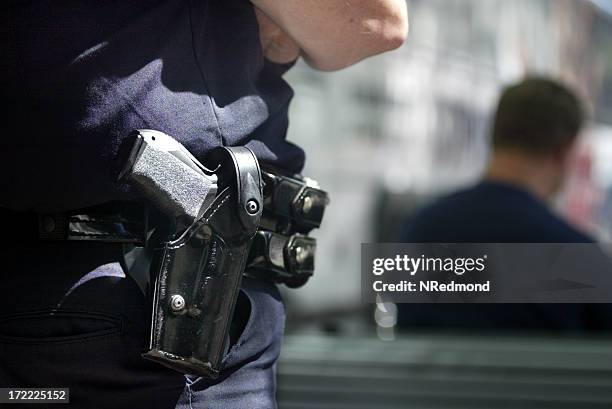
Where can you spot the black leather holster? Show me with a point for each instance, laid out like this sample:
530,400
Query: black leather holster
199,257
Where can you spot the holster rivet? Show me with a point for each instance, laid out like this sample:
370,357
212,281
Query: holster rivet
177,303
252,206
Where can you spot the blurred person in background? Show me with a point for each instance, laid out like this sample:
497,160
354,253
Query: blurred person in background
535,127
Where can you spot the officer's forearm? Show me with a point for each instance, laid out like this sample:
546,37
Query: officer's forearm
334,34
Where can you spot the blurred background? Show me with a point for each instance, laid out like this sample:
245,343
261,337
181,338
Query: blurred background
392,133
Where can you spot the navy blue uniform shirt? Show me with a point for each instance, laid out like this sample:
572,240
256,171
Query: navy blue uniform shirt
80,75
490,212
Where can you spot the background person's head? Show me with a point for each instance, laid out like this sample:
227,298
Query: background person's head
535,127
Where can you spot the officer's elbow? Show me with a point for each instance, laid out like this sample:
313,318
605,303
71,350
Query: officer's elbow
392,30
386,30
374,35
395,32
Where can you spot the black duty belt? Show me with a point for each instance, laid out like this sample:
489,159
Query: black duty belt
281,251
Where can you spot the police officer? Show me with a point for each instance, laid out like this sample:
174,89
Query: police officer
78,77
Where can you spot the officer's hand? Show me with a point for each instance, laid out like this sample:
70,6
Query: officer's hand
277,46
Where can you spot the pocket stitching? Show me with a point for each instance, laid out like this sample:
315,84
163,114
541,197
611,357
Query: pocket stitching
118,322
60,340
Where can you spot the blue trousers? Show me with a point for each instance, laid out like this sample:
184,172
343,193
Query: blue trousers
70,317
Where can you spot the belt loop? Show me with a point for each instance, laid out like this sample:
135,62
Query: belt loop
52,226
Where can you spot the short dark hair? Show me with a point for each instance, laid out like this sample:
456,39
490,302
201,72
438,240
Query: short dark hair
537,115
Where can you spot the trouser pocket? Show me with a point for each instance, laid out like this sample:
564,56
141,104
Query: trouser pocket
96,355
